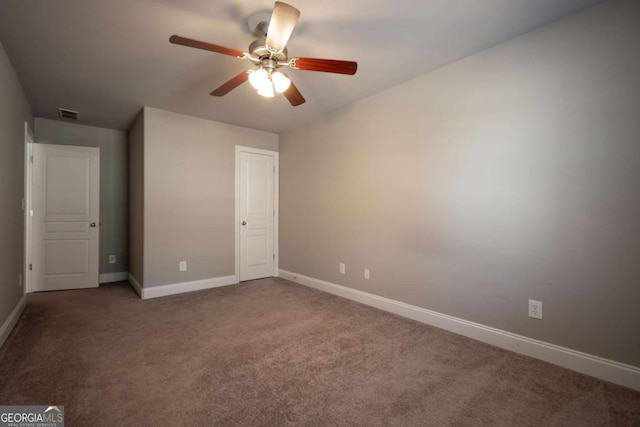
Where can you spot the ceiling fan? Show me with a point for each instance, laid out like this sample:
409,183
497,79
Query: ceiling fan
269,54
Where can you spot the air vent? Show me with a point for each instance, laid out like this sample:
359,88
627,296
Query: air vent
67,114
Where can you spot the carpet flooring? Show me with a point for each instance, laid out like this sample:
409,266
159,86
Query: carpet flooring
270,352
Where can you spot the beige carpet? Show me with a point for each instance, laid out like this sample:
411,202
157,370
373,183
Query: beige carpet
270,352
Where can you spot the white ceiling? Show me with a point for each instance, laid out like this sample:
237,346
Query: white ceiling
108,58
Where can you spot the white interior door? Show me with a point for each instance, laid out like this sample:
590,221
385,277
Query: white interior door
65,205
256,215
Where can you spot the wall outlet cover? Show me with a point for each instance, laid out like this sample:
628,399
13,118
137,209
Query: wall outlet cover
183,265
535,309
112,259
342,268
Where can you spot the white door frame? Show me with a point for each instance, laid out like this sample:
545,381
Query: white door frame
28,152
276,185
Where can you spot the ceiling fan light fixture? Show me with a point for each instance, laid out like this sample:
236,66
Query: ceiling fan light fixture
269,53
267,90
259,78
281,81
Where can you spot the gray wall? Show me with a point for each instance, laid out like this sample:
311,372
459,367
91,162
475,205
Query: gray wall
14,111
189,193
136,198
511,175
114,203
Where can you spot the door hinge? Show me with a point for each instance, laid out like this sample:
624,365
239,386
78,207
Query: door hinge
274,257
31,158
30,267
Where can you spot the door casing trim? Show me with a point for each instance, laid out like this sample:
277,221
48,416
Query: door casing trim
29,140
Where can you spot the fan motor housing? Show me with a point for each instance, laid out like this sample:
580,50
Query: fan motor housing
259,49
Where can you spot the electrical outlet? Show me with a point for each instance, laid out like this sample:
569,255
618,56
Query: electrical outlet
367,275
535,309
183,265
112,259
342,268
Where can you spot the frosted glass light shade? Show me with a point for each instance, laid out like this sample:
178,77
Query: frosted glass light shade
266,90
259,78
280,81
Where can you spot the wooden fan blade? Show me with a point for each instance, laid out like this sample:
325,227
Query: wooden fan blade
206,46
283,20
294,96
324,65
231,84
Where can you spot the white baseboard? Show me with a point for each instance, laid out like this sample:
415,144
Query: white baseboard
11,321
608,370
113,277
179,288
135,285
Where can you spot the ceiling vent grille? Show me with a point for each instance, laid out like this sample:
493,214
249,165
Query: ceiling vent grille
67,114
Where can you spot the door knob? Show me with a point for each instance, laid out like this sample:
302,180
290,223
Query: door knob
244,222
93,224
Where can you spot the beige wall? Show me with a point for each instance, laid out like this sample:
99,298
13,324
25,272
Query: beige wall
511,175
114,200
189,192
14,111
136,198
